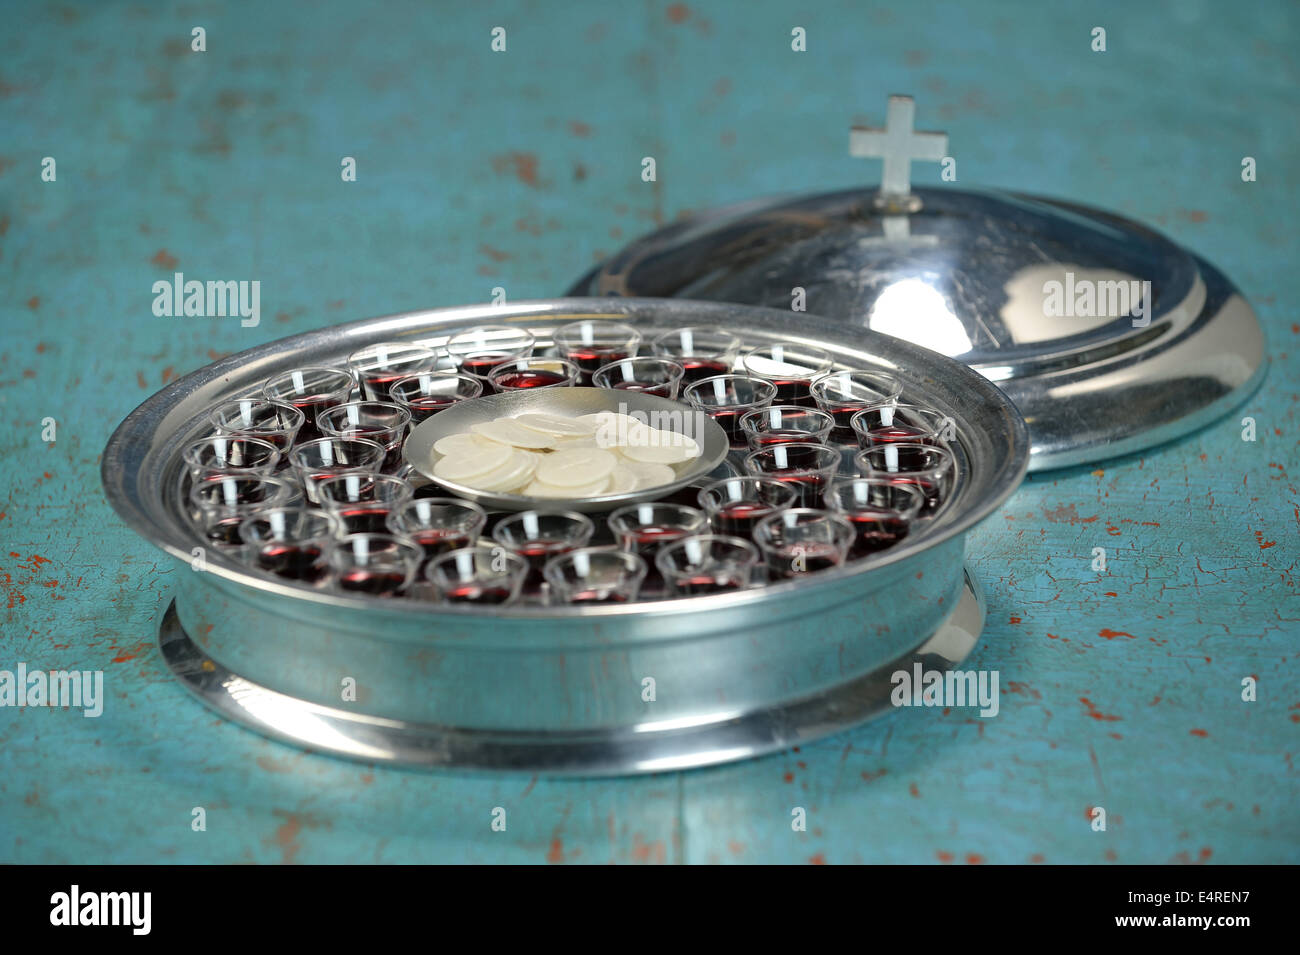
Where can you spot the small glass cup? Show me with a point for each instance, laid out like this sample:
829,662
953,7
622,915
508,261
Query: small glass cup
802,540
476,351
929,468
786,424
272,421
653,376
362,500
311,390
323,458
735,504
380,565
522,373
290,542
807,468
644,528
728,398
230,454
482,574
706,564
703,351
376,367
790,366
894,423
537,536
377,421
594,575
219,504
438,524
842,394
429,392
880,511
591,343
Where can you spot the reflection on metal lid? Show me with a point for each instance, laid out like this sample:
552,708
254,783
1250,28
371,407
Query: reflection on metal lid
1108,336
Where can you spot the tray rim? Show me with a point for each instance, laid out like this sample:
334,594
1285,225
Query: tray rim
1005,475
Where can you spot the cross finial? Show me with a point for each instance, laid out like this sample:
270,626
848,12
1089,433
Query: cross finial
898,145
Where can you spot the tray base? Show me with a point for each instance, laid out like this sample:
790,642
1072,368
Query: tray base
614,752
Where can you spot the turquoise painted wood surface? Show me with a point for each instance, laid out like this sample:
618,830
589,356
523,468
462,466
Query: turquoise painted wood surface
519,169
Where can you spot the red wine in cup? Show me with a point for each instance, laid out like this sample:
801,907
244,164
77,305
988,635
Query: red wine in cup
365,519
377,583
480,365
537,553
728,420
802,558
792,391
697,369
293,561
843,415
650,537
930,490
311,406
530,378
900,432
376,384
808,485
783,436
597,597
738,519
663,389
476,594
708,584
589,360
426,406
437,541
874,531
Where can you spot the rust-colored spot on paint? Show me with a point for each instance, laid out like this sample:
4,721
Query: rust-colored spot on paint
818,859
974,858
916,793
1097,714
168,374
522,165
788,777
555,855
1067,514
1200,733
579,129
1112,634
1014,620
944,857
34,302
496,255
678,13
164,259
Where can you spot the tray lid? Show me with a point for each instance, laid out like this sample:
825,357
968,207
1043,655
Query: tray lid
1108,337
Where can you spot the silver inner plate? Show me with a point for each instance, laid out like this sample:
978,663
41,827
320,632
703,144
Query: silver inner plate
569,403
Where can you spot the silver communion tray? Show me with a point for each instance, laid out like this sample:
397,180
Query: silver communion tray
563,690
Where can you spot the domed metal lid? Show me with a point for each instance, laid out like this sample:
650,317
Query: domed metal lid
1107,336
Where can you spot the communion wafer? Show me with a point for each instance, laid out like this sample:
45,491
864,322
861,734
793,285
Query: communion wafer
556,425
577,467
457,443
473,460
508,431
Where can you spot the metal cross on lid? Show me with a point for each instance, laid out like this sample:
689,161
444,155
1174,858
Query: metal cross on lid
898,144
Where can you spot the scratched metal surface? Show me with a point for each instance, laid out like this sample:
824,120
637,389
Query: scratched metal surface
1120,689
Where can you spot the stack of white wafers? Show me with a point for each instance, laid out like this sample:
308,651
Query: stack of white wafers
556,457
